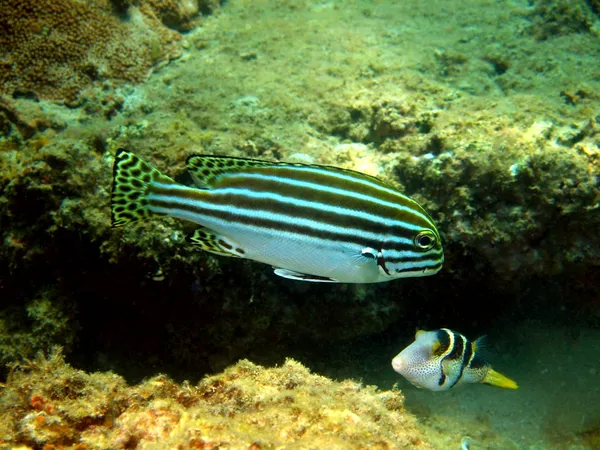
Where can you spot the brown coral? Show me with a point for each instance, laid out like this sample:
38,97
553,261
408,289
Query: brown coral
55,48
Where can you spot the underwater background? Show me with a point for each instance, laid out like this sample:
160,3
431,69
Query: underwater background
485,112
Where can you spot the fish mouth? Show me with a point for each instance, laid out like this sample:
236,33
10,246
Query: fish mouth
398,364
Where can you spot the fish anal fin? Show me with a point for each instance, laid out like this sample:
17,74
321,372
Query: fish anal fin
293,275
212,242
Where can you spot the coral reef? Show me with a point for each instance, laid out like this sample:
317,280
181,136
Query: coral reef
522,194
501,147
551,18
57,49
47,404
525,203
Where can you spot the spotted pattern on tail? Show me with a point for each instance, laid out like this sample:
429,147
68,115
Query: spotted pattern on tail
132,178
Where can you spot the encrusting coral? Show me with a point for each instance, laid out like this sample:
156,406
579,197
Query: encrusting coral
48,404
54,49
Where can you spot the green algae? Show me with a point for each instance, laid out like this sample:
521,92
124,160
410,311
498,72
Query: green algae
45,319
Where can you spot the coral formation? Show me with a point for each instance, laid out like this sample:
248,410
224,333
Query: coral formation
552,18
47,404
56,49
521,194
500,143
10,117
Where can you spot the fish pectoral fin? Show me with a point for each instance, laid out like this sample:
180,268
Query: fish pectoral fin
370,254
497,379
293,275
365,261
368,258
212,242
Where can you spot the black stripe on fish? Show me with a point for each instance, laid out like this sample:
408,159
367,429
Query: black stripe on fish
446,340
466,358
319,211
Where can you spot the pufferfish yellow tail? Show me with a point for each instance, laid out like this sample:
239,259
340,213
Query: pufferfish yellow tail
497,379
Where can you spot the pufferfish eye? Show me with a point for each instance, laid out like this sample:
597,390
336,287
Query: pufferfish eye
425,240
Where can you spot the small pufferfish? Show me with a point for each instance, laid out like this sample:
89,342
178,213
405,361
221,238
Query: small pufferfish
441,359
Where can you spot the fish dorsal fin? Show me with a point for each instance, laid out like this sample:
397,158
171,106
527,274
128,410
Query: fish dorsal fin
479,343
205,169
209,241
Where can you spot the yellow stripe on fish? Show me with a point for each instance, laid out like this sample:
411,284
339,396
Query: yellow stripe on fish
311,222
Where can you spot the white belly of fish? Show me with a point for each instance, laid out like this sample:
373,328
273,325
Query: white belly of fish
340,262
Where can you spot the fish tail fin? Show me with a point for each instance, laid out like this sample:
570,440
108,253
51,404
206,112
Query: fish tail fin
132,177
497,379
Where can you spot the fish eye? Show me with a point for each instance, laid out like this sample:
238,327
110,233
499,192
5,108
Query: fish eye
425,240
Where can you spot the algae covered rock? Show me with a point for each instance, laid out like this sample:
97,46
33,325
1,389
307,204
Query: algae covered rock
46,403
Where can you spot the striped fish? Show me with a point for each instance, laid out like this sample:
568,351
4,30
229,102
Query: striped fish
310,222
441,359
